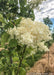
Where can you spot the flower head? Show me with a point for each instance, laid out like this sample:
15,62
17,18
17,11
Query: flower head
31,32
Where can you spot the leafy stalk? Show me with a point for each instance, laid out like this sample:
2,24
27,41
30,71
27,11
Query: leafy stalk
21,59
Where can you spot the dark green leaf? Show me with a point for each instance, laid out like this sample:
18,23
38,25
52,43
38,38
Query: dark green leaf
13,43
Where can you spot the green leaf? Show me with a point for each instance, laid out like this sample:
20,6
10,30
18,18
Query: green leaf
22,71
4,38
13,73
8,25
1,18
4,60
13,43
17,21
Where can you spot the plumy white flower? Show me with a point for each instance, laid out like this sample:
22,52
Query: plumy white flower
31,32
42,46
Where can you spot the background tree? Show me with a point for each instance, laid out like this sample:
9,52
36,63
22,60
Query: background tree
53,34
48,22
53,30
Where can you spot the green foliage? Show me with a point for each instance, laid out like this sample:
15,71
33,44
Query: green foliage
22,71
35,3
9,7
13,23
4,38
13,73
2,23
1,31
22,2
53,36
8,25
3,53
49,43
17,21
1,18
25,10
13,43
48,22
15,59
32,59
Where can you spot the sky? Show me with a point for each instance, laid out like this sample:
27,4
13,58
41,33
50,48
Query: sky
46,9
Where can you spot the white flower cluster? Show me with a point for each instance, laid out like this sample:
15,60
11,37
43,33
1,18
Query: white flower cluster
30,32
42,46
